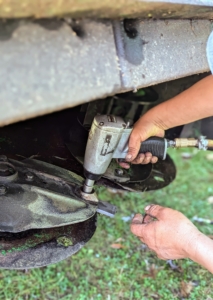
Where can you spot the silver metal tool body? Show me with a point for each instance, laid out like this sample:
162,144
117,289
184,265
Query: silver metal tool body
103,139
104,136
108,138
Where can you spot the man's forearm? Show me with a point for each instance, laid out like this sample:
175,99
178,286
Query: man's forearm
202,252
193,104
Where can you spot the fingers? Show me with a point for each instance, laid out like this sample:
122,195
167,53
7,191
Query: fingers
147,219
136,225
152,211
138,219
124,165
137,229
145,159
139,222
157,211
134,146
142,130
140,159
154,159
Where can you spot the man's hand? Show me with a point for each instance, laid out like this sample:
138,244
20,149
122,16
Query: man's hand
142,130
174,112
171,235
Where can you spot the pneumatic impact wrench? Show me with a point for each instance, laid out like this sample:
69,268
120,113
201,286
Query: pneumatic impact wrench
108,138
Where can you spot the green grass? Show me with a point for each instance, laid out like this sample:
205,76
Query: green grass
99,271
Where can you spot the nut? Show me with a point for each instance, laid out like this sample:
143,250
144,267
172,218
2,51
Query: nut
119,172
4,168
3,158
29,176
2,189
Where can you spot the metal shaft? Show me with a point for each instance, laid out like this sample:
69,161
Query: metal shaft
88,186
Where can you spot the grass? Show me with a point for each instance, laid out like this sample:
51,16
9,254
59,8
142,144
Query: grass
99,271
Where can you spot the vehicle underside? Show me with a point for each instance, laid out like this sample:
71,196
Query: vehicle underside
60,69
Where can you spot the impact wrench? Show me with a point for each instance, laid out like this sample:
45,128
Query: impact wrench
108,139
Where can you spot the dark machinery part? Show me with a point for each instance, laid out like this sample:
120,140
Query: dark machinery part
47,181
38,195
38,248
163,173
43,219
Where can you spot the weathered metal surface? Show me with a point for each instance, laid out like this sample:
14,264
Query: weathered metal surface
38,248
161,51
48,66
51,65
106,8
41,196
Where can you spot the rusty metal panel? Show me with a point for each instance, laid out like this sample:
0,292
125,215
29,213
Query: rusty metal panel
107,8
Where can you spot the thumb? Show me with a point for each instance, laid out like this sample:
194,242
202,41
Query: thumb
134,146
136,225
137,229
155,211
138,219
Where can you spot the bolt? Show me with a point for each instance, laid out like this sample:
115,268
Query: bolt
11,170
4,168
130,27
2,190
29,176
3,158
119,172
101,123
128,124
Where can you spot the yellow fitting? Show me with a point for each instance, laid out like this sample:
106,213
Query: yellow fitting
182,143
210,143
